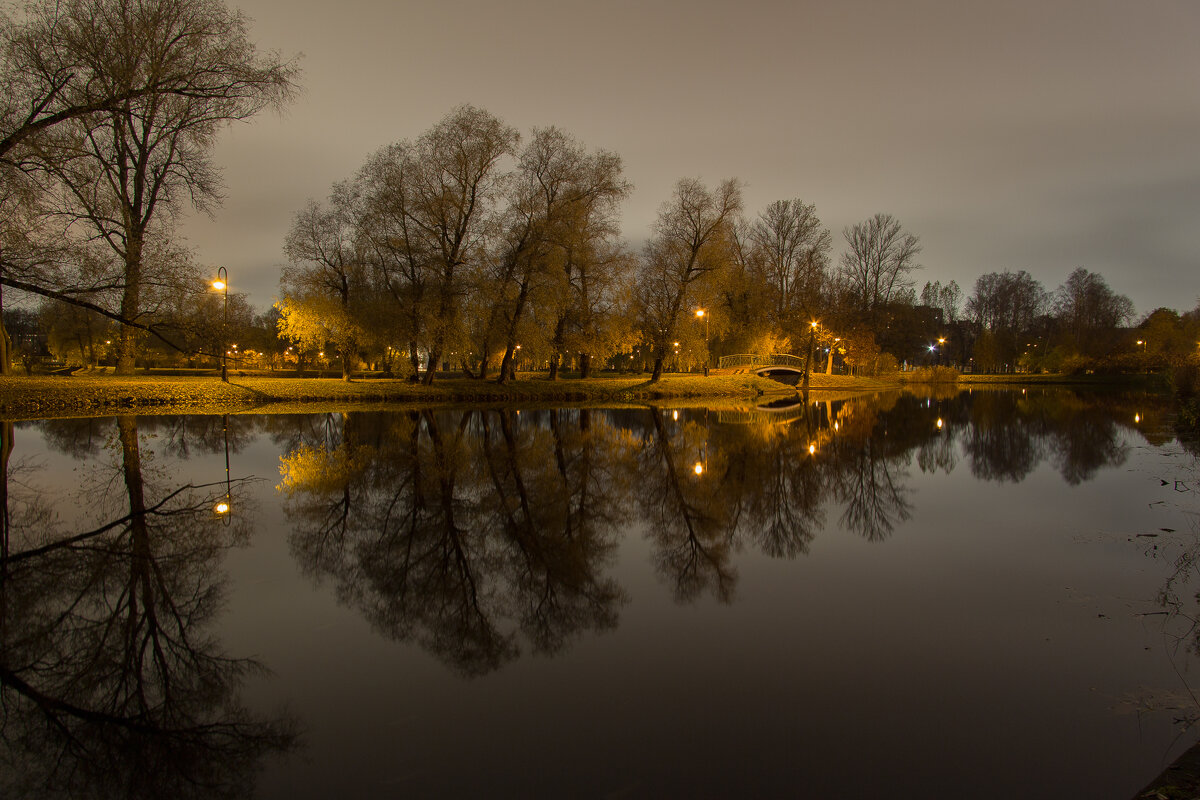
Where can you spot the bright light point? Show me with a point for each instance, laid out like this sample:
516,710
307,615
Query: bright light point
1137,417
942,340
698,469
931,348
835,426
221,507
939,423
814,324
700,312
812,448
218,285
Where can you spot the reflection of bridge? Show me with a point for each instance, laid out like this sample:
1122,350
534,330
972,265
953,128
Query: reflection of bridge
776,413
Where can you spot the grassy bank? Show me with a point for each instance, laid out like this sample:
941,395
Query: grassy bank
24,397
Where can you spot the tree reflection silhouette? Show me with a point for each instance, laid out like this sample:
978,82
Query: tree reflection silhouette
690,522
457,530
111,685
478,533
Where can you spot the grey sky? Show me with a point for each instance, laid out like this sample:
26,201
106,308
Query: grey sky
1022,135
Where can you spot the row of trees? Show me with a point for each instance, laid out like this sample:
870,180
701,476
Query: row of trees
466,248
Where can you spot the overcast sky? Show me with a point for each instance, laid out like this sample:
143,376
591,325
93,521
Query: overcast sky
1026,134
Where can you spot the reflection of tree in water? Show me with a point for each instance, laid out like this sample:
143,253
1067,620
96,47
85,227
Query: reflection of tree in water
1003,444
690,521
454,529
866,473
1012,433
464,531
111,685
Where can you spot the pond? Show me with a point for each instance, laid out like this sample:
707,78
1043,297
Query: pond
983,594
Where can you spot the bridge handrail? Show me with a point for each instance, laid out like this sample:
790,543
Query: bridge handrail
760,360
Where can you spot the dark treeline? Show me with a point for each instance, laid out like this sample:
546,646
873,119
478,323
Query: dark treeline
470,247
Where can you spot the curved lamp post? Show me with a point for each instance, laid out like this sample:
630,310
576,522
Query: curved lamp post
700,312
221,284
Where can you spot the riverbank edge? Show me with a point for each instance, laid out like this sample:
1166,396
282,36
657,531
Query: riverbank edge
41,397
36,397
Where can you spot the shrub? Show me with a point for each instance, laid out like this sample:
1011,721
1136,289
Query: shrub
933,375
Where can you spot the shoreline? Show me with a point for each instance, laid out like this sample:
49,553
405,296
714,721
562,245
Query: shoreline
36,397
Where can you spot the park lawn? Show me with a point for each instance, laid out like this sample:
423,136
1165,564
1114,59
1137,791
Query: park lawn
46,396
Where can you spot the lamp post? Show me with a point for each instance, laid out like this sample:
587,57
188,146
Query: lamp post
221,284
812,338
700,312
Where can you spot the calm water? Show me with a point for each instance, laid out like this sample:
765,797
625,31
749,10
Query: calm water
981,595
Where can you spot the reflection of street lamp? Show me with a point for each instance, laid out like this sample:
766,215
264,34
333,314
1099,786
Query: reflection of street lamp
221,284
223,507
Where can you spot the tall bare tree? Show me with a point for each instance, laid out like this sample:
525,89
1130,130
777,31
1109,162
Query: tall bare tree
558,236
185,69
1089,311
791,248
877,264
324,284
692,242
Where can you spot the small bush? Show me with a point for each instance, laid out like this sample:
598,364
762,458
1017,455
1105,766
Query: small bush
885,364
933,375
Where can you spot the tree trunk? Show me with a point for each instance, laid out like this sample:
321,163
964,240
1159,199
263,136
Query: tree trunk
560,333
5,342
656,374
431,364
130,301
585,364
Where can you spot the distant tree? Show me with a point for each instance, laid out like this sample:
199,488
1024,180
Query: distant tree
791,249
692,243
326,281
1006,305
948,299
877,265
1089,312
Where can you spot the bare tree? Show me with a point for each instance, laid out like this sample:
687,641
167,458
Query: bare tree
692,241
1089,311
878,262
143,157
791,247
455,184
558,235
323,286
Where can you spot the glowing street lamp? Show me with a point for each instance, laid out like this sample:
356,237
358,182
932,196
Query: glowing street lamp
702,314
221,284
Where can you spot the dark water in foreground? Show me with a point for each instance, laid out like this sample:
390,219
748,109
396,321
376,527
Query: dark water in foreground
986,595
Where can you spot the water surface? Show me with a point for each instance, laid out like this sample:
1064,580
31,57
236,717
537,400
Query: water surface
989,594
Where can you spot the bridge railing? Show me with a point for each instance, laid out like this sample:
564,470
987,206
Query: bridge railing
760,360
